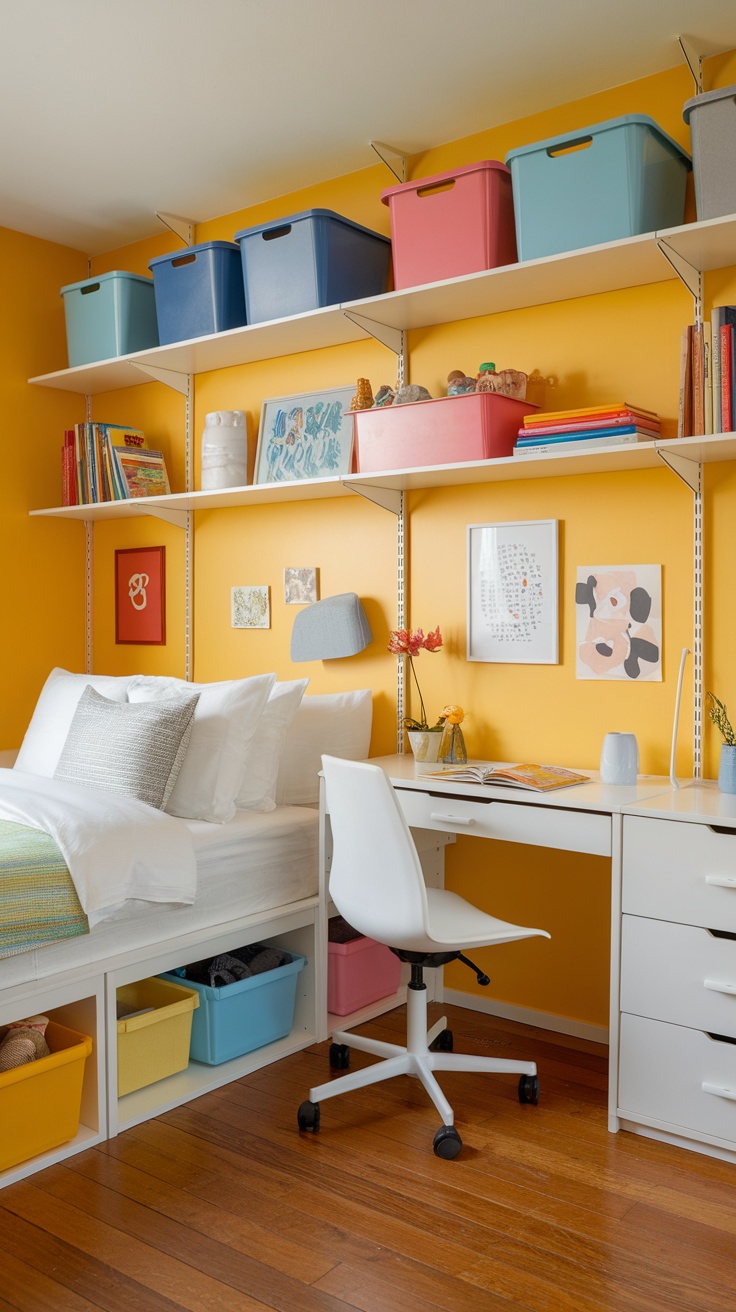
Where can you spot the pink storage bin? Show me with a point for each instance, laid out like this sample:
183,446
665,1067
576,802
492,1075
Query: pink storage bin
447,431
358,973
452,224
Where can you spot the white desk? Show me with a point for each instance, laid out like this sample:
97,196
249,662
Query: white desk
673,869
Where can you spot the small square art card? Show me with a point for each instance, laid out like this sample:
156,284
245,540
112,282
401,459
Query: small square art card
250,608
619,622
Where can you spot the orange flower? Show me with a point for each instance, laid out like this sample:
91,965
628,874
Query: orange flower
453,714
409,643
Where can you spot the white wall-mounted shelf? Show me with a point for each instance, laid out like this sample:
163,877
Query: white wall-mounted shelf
556,463
632,262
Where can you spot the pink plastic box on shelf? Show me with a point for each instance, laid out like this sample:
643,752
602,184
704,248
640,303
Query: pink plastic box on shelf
451,224
359,972
446,431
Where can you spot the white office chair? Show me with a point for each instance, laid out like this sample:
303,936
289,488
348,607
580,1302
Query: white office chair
376,883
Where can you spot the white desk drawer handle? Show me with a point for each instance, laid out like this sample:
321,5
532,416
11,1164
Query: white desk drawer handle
452,819
721,881
719,1091
719,986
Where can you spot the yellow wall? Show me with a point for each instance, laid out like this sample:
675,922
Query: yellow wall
622,345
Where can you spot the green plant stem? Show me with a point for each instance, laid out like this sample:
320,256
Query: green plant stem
421,699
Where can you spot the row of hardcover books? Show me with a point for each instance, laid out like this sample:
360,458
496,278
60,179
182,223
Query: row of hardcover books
707,370
592,427
109,462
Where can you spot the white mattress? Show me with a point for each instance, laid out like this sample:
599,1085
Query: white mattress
257,862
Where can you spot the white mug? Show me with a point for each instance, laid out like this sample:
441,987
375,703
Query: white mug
619,759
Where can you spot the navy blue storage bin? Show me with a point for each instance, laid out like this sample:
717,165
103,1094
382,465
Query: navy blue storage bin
198,291
310,260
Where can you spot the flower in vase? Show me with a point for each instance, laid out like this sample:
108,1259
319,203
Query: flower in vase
453,714
409,643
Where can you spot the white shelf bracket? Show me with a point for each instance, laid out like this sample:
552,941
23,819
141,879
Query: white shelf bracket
179,518
171,377
690,471
393,338
183,228
386,497
694,61
382,150
687,273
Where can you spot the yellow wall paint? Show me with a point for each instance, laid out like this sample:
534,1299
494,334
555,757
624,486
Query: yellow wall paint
622,345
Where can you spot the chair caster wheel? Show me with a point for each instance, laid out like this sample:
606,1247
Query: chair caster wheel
339,1056
447,1142
529,1089
443,1042
308,1116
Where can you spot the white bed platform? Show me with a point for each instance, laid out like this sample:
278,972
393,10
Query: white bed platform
258,880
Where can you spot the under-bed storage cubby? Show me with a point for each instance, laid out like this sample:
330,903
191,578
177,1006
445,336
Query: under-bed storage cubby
297,932
76,1006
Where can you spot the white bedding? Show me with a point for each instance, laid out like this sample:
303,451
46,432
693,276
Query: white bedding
256,862
115,848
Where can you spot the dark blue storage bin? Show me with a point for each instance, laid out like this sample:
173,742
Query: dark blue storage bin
310,260
198,291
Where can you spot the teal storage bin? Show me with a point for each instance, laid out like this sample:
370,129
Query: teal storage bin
239,1017
198,291
599,184
309,260
112,315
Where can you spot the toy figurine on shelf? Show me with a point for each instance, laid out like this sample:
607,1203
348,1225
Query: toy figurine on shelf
363,399
411,392
509,382
459,383
384,395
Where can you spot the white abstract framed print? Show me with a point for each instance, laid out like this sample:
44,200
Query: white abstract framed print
512,608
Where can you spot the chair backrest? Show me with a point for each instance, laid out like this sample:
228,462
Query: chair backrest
376,879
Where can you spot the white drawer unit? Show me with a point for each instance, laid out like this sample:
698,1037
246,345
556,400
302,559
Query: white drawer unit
678,1079
677,1038
675,870
514,822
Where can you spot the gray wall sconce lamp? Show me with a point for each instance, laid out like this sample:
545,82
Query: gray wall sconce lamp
336,626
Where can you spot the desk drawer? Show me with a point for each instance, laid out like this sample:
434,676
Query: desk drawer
662,1071
676,870
678,973
540,825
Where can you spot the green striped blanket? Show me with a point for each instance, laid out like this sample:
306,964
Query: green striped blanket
38,900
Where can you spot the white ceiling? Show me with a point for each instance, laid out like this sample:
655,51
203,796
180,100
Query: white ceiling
114,109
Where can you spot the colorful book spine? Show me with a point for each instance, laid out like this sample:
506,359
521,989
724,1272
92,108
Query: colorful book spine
727,362
608,425
620,408
68,470
716,320
563,438
579,444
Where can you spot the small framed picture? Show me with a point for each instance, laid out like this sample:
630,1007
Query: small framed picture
300,585
250,607
512,592
306,436
140,595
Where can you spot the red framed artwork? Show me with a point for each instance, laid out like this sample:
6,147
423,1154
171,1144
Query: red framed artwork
140,595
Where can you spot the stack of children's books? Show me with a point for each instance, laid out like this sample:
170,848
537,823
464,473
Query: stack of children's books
591,428
109,462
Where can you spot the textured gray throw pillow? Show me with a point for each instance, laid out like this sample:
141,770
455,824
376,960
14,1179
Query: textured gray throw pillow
131,748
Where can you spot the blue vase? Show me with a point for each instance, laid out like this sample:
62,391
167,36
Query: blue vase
727,769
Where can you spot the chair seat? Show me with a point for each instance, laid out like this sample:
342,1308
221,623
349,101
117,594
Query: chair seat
455,924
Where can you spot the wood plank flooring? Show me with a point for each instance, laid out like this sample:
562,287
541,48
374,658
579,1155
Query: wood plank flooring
222,1206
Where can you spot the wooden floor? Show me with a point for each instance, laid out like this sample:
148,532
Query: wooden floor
223,1205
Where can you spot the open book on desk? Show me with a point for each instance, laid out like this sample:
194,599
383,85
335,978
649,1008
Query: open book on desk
539,778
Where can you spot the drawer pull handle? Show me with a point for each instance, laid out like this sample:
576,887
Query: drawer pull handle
452,819
719,1090
721,881
719,986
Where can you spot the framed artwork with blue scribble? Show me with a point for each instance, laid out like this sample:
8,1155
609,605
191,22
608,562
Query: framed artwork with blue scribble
308,436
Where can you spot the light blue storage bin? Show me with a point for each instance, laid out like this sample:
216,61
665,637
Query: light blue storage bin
309,260
114,314
239,1017
599,184
199,291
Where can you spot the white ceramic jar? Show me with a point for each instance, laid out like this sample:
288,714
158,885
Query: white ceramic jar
224,450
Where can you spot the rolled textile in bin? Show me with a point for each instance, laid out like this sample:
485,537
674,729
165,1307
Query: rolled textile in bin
40,1102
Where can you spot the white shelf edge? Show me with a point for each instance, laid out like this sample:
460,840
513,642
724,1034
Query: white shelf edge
610,266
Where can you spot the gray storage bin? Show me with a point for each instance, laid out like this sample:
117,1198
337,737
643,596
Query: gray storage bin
712,119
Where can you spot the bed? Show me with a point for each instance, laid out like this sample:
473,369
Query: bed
241,819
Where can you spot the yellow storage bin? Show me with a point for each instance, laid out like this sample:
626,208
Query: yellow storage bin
40,1102
155,1042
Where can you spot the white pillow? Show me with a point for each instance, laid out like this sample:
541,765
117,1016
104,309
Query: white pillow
263,757
51,720
133,750
338,724
225,719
